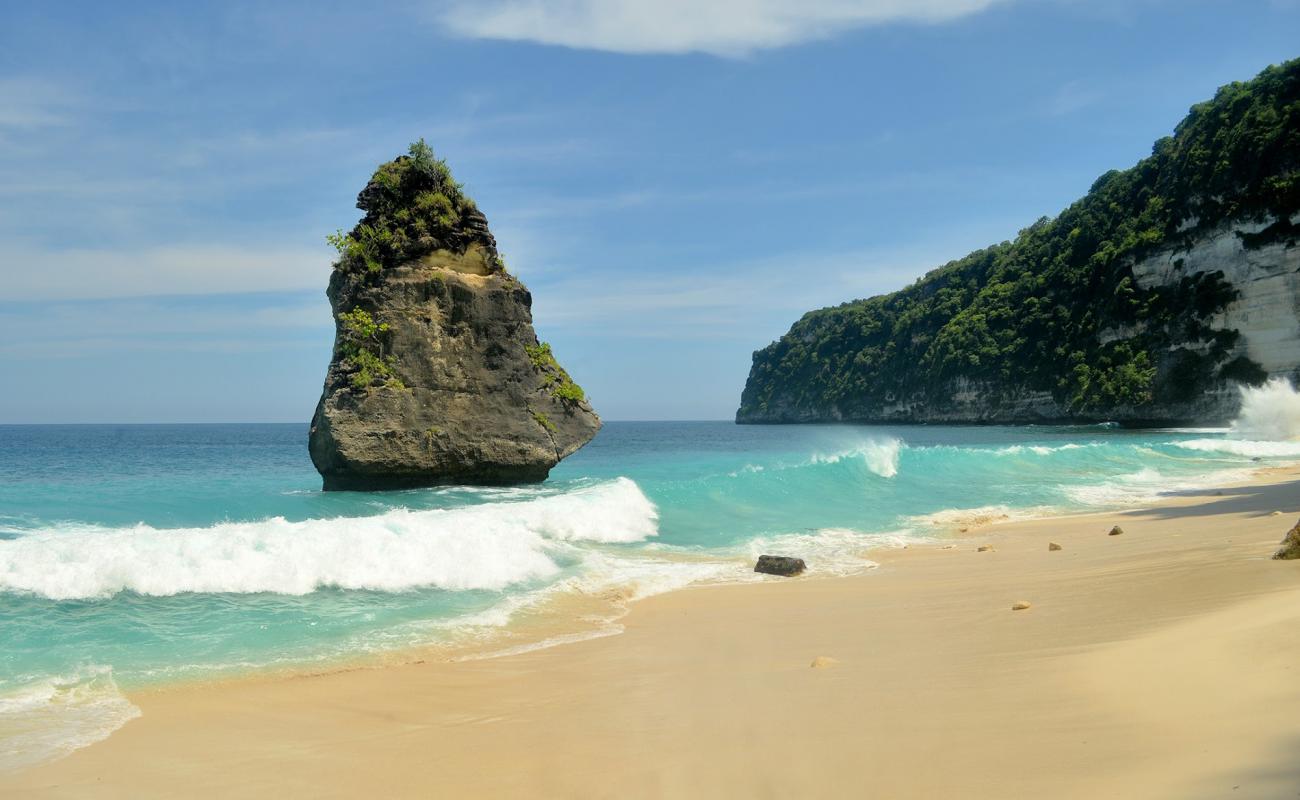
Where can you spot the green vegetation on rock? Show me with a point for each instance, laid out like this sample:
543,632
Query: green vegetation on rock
554,376
1058,310
413,207
544,421
362,342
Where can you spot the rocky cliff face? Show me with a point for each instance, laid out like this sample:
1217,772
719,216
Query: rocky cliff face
1265,278
437,376
1263,322
1150,300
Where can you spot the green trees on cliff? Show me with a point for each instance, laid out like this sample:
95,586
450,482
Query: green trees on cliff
413,207
1058,308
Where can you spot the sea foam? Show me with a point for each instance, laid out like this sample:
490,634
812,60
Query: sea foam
1268,425
488,546
1269,412
50,717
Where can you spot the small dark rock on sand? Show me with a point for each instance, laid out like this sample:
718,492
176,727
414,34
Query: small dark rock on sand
1053,546
780,565
1290,548
1116,531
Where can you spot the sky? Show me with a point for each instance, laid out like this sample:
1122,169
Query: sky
676,181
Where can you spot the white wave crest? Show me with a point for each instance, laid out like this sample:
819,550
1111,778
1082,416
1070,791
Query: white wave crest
1270,412
488,546
48,718
880,456
1247,449
1038,450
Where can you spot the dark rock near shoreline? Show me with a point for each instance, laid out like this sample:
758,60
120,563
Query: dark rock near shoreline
437,376
786,566
1290,548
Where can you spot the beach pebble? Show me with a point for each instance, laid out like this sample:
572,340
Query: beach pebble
984,548
822,662
1053,546
1020,605
1275,513
950,547
1116,531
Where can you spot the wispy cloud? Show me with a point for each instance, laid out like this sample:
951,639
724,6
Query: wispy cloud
28,102
205,324
1073,96
726,28
40,274
733,300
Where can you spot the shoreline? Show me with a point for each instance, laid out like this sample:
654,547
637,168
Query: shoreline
263,733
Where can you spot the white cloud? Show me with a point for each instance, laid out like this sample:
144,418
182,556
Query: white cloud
38,274
719,27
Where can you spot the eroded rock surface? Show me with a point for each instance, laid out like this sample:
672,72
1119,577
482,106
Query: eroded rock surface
437,375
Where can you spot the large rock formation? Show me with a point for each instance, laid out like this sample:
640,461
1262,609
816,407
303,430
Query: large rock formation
1148,301
437,376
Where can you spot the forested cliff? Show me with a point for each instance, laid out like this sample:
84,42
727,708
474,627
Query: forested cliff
1148,300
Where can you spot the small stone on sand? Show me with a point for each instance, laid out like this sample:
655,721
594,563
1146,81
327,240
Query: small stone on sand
1116,531
950,547
984,548
1053,546
1275,513
822,662
1020,605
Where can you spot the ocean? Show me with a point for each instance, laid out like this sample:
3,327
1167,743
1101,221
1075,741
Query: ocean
138,555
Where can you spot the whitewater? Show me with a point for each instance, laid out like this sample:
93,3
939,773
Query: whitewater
137,555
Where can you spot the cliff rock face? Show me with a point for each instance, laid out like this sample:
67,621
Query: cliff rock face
1151,300
437,376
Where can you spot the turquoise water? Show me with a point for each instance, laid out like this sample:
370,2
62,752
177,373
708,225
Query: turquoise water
131,555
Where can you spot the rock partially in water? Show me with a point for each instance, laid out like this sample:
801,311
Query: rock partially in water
437,376
785,566
1290,548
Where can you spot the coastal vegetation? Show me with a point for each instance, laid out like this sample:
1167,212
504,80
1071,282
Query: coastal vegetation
363,342
1058,309
554,377
413,207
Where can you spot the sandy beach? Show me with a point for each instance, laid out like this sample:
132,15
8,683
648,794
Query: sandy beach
1160,663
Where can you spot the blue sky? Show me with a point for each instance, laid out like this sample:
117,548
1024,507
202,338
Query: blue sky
676,181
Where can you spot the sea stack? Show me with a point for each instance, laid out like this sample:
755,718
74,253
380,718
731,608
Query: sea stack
437,376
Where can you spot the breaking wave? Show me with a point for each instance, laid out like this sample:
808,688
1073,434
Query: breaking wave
1270,412
880,456
490,546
